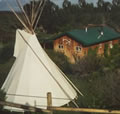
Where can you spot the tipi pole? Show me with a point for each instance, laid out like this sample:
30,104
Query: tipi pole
33,10
39,15
25,15
21,21
37,10
49,102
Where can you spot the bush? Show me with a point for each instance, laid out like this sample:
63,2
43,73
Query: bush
2,97
6,52
113,60
87,65
60,60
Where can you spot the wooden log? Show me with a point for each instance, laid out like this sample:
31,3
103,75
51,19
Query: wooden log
50,109
49,102
85,110
29,108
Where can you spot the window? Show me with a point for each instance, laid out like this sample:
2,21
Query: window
61,46
111,45
78,48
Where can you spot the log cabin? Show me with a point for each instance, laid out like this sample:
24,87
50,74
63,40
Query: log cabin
76,43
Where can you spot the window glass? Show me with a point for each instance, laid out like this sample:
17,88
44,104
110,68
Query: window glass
78,48
61,46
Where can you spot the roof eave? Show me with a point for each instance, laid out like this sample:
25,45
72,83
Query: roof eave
88,45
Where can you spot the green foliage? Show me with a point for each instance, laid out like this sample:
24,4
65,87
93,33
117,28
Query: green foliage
115,50
6,52
111,61
70,16
87,65
75,16
6,61
92,52
100,90
8,26
2,97
106,54
4,69
60,60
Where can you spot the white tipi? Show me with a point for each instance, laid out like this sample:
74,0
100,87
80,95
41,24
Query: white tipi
33,73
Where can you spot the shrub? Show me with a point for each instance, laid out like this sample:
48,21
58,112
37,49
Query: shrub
6,52
2,97
61,61
85,66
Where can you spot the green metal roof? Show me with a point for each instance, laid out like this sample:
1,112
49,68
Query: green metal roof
92,36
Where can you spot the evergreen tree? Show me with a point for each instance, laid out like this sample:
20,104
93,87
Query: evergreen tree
66,3
82,3
100,3
116,2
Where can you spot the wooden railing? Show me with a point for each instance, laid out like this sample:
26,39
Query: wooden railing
50,109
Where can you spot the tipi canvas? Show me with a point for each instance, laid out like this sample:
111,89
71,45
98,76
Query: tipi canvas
34,74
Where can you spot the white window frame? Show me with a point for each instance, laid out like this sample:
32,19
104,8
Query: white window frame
78,49
61,46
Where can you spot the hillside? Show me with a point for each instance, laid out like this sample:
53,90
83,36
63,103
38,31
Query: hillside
8,25
98,78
